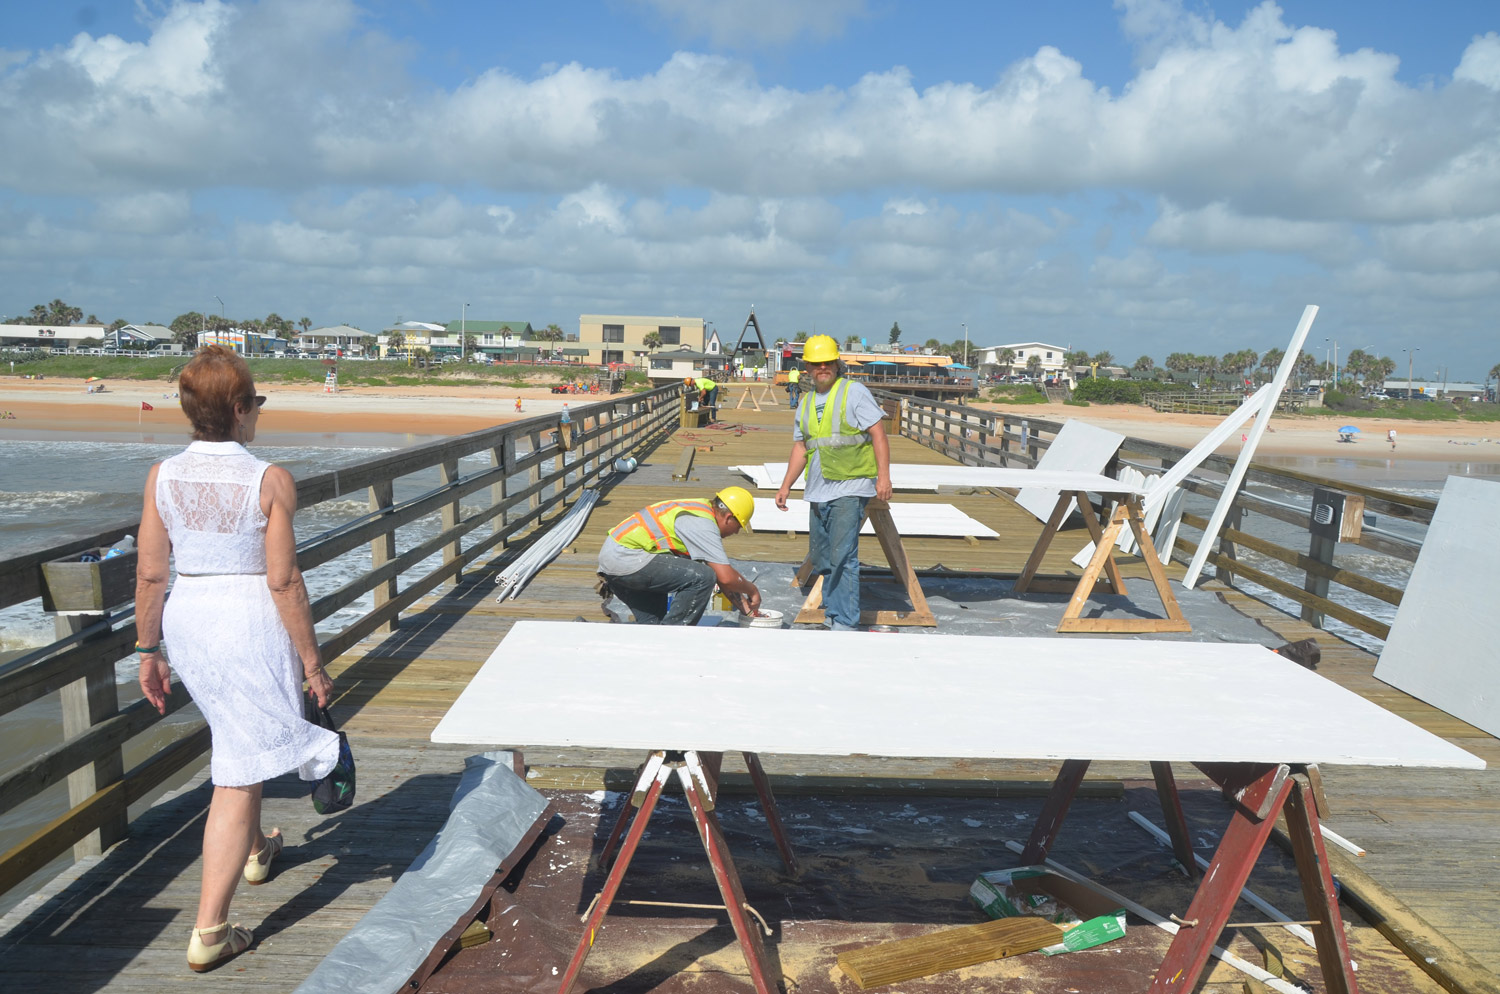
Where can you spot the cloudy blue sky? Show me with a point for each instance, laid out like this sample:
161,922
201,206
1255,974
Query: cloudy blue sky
1143,176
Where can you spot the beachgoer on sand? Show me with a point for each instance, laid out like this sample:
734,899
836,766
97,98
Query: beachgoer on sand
1390,436
518,405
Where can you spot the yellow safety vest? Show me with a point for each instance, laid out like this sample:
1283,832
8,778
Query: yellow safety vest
844,449
706,384
653,528
795,376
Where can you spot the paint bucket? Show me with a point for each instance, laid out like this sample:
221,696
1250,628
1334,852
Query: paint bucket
625,464
767,619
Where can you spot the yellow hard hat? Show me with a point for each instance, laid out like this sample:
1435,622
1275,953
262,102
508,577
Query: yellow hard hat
740,504
820,348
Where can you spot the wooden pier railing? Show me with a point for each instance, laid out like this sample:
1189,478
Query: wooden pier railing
537,467
1313,577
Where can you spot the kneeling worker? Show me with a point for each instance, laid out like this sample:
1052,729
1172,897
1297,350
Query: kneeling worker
676,548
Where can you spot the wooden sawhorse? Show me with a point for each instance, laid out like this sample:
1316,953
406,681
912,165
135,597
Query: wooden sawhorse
878,513
1127,512
766,396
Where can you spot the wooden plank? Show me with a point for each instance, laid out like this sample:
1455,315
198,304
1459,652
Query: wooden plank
949,949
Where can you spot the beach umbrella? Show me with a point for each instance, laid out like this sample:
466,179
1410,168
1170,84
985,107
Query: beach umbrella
879,362
1348,428
957,365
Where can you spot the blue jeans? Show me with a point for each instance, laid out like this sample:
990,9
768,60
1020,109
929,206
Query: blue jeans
833,548
645,591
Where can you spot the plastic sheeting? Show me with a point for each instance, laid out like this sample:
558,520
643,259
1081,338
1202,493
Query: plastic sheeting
493,813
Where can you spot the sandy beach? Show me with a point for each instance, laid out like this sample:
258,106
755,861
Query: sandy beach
64,406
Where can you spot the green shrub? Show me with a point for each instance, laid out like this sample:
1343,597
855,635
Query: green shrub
1106,391
1017,393
1338,400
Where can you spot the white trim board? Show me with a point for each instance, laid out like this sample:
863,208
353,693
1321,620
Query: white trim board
916,476
1242,464
845,693
1443,644
942,520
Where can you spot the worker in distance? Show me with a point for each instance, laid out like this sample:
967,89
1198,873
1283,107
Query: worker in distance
664,560
838,438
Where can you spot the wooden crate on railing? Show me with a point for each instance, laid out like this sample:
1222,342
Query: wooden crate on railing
69,585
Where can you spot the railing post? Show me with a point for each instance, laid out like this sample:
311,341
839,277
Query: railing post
535,476
1324,520
1235,519
90,699
383,550
450,513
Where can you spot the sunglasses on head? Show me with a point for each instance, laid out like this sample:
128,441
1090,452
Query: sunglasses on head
260,400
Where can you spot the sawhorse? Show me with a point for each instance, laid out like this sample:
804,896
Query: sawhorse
699,776
1127,512
1259,792
767,397
878,513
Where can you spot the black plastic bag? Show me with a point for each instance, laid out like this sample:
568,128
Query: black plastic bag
335,792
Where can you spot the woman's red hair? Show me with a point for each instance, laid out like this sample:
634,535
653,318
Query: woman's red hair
211,384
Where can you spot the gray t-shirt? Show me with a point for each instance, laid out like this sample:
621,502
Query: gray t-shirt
699,534
862,411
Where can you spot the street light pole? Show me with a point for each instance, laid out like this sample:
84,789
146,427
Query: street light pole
966,341
1408,370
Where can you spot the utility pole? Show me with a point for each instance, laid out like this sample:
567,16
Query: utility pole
463,331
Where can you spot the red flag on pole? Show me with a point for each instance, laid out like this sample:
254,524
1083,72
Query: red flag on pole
146,407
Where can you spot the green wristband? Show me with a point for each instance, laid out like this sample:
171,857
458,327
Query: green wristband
146,650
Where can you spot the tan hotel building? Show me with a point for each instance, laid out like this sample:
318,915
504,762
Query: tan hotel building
622,337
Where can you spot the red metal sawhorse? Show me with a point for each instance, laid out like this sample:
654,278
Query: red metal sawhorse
1260,791
699,778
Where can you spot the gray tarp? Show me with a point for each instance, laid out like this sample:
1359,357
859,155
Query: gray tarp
494,817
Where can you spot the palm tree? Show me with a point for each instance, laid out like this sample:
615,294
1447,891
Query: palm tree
393,343
304,324
801,336
652,340
554,333
1105,358
1007,358
1143,365
1270,360
1033,365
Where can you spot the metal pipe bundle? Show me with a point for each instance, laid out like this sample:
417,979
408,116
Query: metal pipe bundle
545,549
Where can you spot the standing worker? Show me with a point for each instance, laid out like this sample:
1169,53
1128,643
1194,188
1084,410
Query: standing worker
664,560
794,385
838,422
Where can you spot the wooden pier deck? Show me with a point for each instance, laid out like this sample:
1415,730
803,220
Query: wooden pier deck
119,923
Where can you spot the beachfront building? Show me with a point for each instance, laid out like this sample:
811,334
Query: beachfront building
48,337
338,340
986,359
674,365
615,338
148,337
407,335
499,340
244,342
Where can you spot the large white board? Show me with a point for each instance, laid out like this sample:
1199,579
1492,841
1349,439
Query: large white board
1444,646
844,693
917,476
1078,447
943,520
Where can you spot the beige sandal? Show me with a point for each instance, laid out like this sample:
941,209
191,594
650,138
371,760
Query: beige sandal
203,956
258,866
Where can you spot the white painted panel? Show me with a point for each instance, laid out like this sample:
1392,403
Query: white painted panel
914,476
911,519
1078,447
845,693
1444,645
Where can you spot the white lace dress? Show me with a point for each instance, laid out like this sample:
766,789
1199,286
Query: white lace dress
221,631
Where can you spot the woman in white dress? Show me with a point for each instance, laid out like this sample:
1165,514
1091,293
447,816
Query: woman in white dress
238,629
